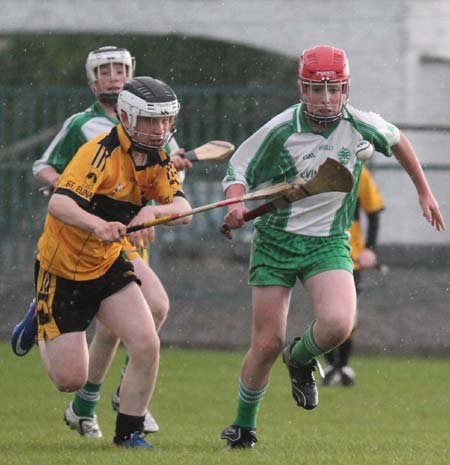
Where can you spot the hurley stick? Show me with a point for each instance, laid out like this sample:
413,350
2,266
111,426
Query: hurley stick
261,194
214,150
331,177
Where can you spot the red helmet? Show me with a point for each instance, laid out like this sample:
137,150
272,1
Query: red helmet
325,65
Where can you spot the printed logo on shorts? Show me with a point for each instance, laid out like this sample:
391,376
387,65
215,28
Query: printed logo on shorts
344,156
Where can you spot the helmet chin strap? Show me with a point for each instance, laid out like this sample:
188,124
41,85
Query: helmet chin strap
143,148
323,120
108,99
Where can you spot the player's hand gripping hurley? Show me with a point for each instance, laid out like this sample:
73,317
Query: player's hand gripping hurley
331,177
261,194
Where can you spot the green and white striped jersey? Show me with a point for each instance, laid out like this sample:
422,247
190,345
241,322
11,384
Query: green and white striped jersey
286,148
76,131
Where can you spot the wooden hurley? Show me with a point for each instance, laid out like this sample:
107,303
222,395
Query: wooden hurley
214,150
271,192
331,177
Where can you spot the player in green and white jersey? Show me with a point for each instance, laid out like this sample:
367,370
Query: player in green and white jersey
308,239
107,69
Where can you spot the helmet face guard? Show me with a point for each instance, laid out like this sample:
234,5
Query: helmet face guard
324,79
145,97
108,56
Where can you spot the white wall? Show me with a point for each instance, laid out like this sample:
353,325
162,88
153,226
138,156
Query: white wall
384,39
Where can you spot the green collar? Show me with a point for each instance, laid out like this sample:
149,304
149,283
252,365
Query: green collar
98,109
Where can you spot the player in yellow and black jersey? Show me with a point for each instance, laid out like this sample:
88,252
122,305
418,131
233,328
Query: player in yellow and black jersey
370,202
80,271
107,70
104,180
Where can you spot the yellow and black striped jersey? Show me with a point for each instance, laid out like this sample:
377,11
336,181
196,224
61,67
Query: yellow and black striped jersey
104,180
370,201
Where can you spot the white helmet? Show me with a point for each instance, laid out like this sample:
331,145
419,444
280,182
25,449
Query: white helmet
103,56
149,98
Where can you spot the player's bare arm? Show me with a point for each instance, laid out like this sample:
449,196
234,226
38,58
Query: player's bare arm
235,217
178,205
67,210
48,175
406,155
143,236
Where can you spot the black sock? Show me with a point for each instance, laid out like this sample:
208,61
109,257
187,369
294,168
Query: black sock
345,350
126,425
329,356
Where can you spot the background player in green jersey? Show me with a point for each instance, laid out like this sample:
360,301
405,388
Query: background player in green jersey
107,69
307,240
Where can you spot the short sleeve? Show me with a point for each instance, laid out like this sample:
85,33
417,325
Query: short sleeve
84,174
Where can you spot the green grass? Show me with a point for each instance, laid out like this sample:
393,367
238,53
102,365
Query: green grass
399,413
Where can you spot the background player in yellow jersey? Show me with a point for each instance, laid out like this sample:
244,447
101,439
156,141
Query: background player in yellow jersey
363,255
107,70
80,271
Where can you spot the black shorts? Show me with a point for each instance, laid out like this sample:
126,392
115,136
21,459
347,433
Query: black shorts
66,306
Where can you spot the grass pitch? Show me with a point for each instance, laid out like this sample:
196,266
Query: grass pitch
399,413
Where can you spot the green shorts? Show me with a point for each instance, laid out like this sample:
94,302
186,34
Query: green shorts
279,257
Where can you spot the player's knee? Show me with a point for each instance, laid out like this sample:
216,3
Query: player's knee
340,330
160,311
269,349
69,382
333,328
145,348
151,345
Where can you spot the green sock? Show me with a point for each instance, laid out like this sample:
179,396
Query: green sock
306,349
127,359
248,405
86,400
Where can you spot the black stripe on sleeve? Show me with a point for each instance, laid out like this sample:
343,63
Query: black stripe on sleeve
82,202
